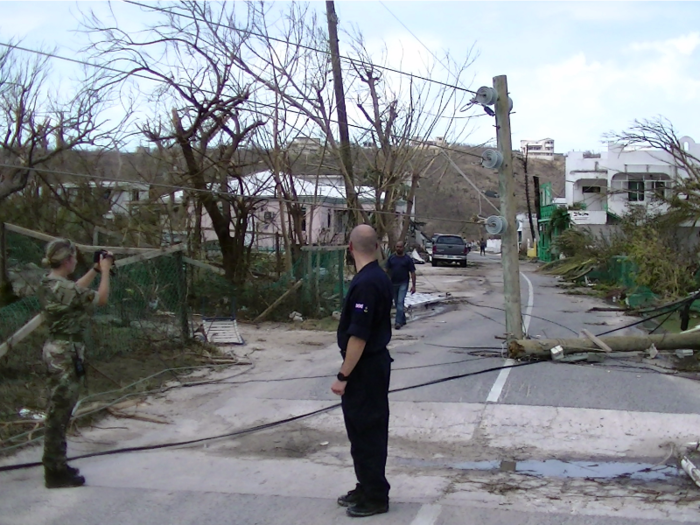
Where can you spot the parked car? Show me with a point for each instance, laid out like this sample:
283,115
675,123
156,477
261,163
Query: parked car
449,248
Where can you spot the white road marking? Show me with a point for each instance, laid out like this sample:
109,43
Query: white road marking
427,515
497,388
530,304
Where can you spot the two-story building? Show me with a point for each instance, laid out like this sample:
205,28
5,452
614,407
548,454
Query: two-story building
538,149
606,185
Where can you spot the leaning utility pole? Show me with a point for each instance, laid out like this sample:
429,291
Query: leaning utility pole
509,237
343,130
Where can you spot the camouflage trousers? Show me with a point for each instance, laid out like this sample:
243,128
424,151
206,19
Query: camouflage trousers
64,389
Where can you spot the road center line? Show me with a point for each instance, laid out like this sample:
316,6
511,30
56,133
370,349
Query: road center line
497,388
530,304
427,515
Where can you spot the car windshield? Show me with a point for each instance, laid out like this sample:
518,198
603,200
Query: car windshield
450,239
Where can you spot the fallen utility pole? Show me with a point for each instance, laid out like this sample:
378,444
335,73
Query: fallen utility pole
542,347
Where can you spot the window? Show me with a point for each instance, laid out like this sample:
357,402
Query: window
268,216
659,189
635,190
135,195
590,189
449,239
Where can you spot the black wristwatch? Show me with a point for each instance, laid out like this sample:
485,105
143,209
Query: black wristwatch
342,377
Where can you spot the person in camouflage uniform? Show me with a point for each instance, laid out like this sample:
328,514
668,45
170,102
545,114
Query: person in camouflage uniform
67,306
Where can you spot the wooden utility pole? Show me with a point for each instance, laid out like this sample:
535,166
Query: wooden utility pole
343,130
638,343
509,238
527,197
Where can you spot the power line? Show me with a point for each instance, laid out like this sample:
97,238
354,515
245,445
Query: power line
302,46
254,102
419,40
214,192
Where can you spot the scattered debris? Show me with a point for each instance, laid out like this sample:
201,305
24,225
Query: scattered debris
681,353
652,352
296,317
221,331
336,315
139,417
27,413
557,352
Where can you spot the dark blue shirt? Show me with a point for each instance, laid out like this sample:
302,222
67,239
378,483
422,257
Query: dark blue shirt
367,310
400,268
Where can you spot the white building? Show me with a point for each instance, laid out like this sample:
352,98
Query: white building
538,149
613,181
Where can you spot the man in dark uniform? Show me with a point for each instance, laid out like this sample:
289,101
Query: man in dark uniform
364,332
400,267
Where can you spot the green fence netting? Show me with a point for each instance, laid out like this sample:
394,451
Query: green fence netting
147,304
322,272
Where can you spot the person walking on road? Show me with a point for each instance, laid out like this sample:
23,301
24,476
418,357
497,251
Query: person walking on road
482,247
400,267
364,331
66,306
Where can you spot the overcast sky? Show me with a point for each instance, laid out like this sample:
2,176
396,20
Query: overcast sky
575,70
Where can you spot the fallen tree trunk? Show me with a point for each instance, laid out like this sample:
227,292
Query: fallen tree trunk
542,347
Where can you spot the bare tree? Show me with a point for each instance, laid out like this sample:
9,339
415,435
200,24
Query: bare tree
38,126
659,133
186,64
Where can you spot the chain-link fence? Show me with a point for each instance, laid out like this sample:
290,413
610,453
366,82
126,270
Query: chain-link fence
321,271
147,301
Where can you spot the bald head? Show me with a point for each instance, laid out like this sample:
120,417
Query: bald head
364,240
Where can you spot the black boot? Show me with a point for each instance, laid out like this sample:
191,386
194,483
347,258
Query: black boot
351,498
366,507
57,479
72,470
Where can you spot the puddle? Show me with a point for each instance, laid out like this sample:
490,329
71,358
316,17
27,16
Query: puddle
555,468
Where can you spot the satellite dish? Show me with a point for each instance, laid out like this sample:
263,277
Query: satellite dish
495,225
491,159
486,95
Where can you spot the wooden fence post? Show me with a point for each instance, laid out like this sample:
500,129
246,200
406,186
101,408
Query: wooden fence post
182,296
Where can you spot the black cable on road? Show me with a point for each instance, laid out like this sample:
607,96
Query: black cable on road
677,305
258,428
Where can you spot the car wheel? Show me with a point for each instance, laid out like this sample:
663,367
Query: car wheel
463,264
434,263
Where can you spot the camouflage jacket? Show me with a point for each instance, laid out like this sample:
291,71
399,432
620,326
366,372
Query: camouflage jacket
67,307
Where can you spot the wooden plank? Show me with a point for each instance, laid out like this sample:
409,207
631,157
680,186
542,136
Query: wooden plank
596,340
204,265
150,254
22,333
278,301
123,250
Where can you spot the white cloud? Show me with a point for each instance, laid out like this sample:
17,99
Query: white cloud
597,11
684,45
580,98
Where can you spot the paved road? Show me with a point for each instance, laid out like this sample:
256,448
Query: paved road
602,414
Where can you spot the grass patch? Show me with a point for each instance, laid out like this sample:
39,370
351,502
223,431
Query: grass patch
23,385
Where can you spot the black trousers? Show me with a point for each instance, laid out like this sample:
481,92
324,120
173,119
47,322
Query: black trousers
366,413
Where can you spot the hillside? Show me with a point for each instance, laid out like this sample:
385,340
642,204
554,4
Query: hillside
445,198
